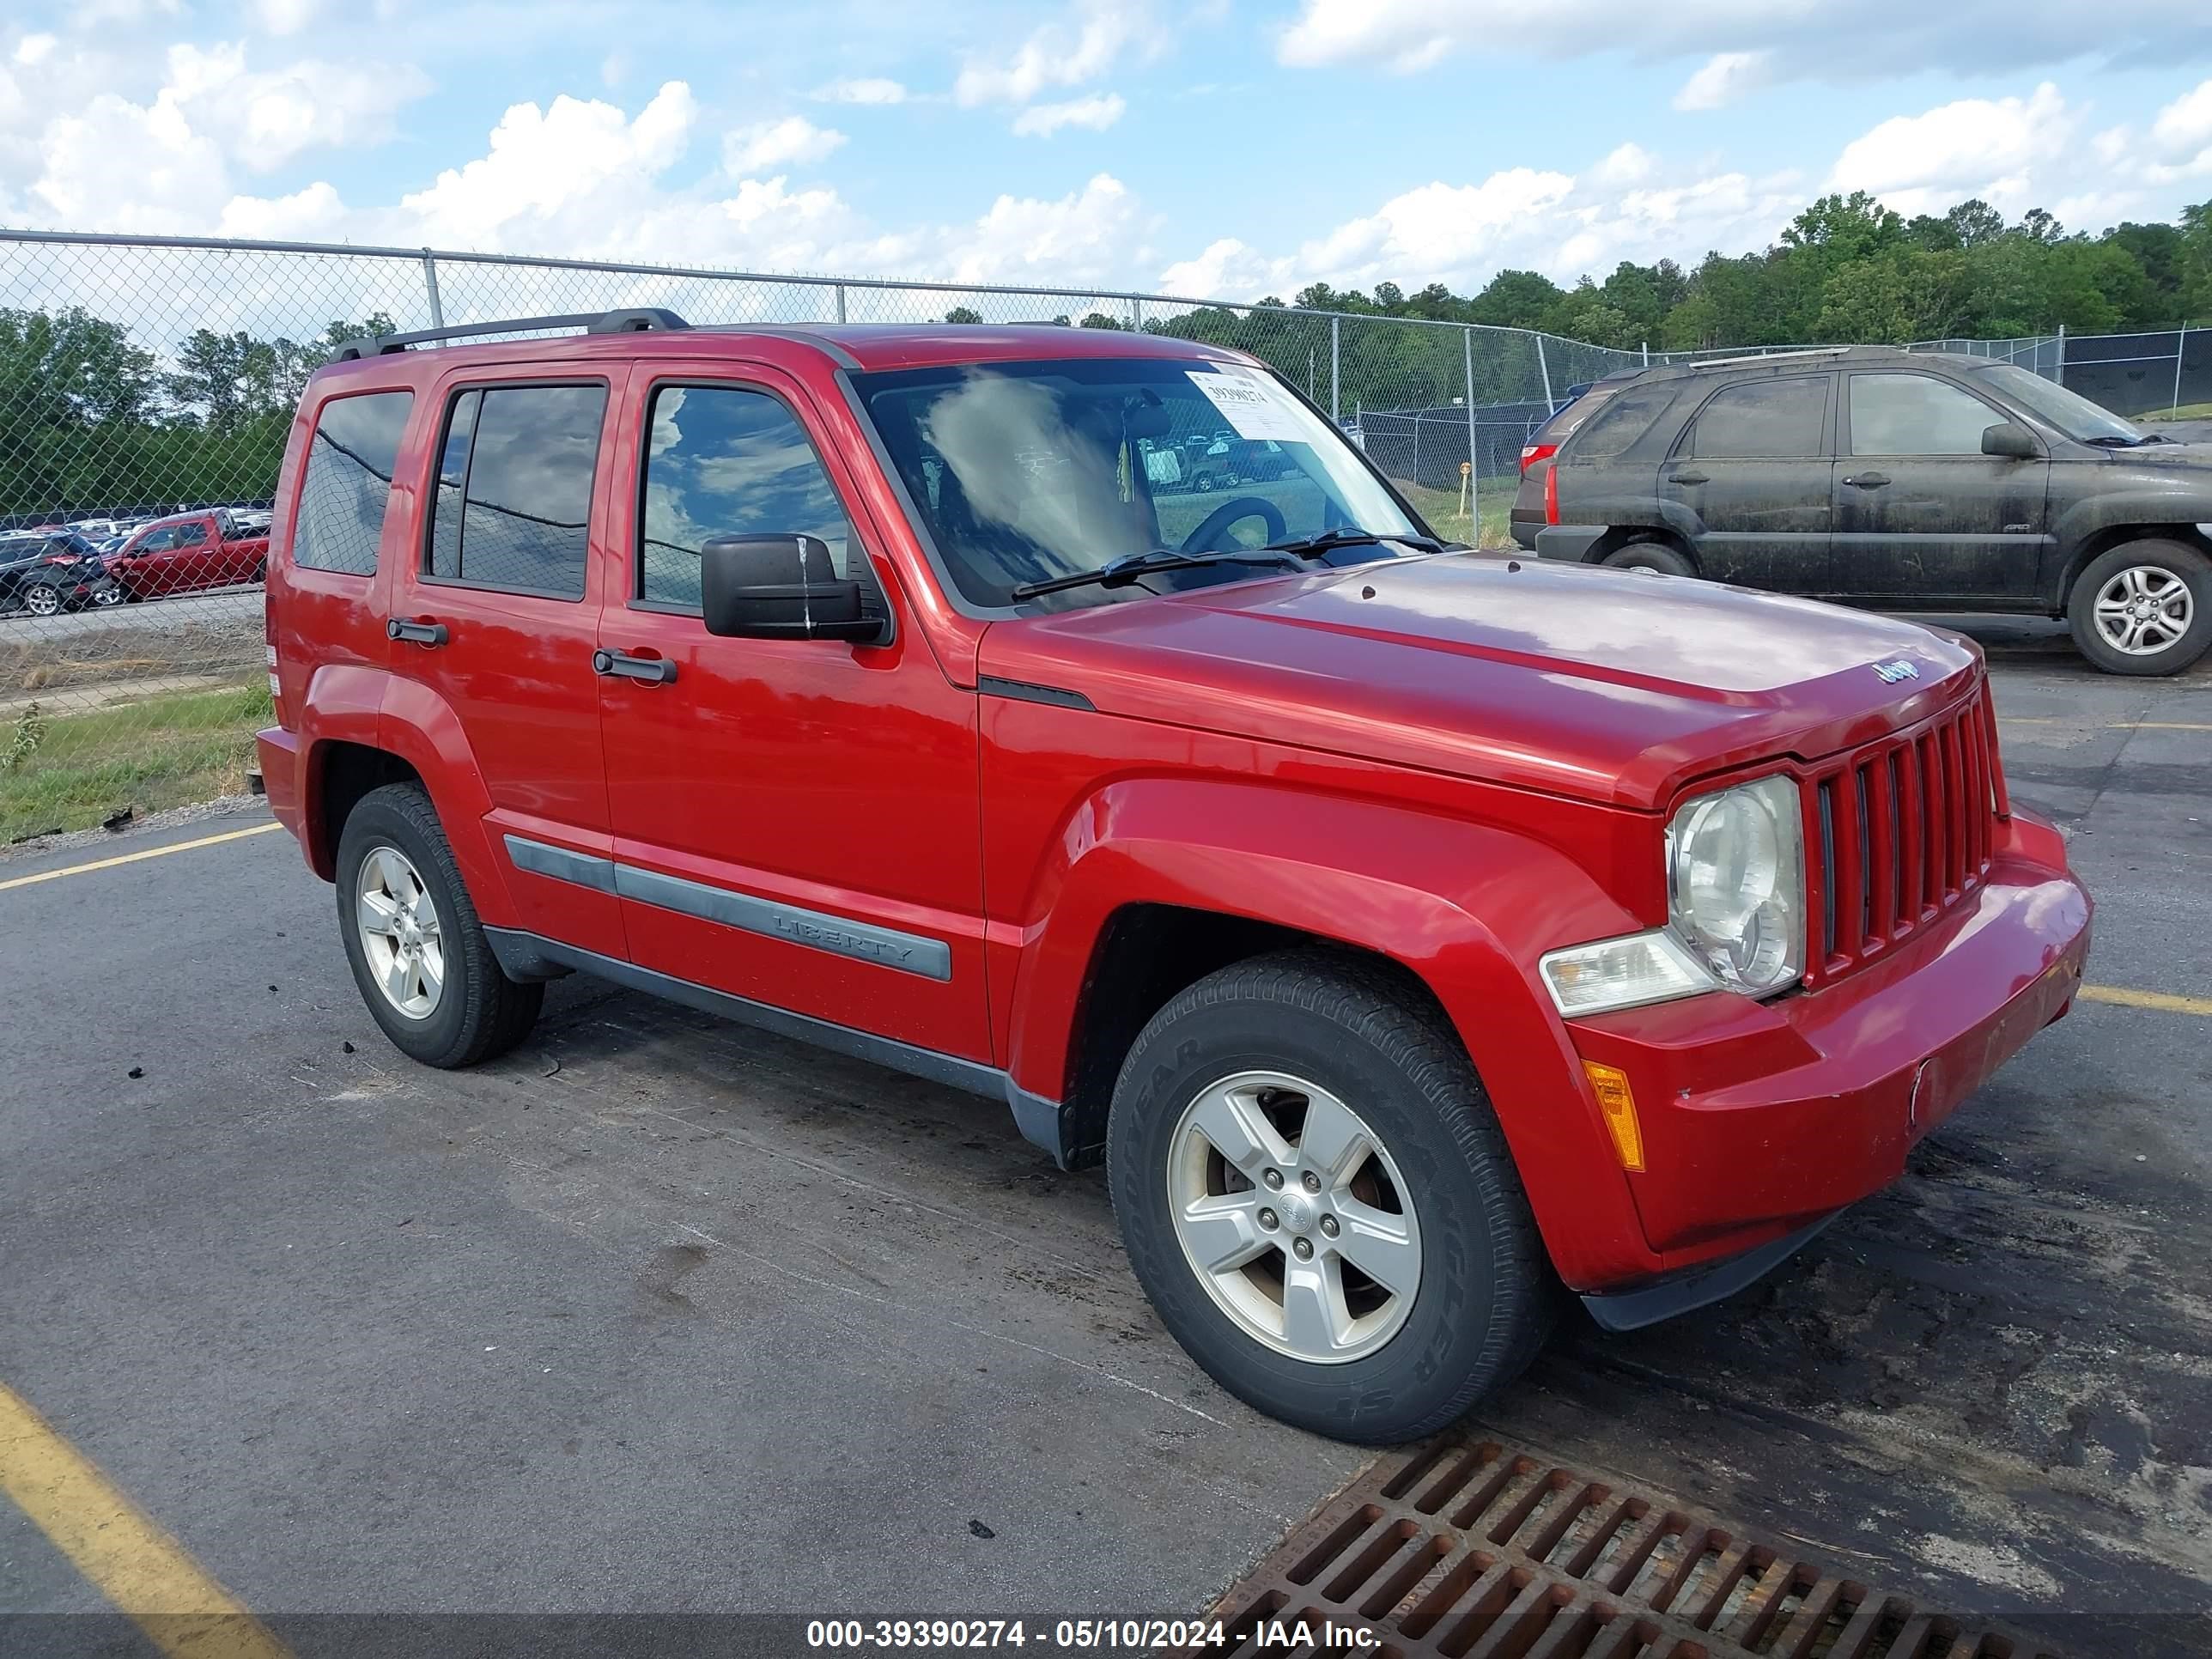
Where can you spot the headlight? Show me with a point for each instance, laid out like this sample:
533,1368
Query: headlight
1736,884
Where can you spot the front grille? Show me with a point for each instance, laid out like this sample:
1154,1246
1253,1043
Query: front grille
1900,832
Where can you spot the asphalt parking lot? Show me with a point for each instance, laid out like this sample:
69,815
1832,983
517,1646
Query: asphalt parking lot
664,1315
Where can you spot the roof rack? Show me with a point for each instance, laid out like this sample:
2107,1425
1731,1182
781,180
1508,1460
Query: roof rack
637,320
1766,357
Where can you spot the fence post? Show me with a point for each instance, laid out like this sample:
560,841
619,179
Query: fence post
841,302
2062,353
1645,347
2180,346
1335,356
1473,457
430,286
1136,315
1545,369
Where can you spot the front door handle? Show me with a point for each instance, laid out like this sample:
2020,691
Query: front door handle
1869,480
1691,478
422,633
619,664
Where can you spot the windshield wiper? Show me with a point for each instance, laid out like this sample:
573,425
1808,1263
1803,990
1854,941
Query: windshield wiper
1130,566
1345,534
2114,440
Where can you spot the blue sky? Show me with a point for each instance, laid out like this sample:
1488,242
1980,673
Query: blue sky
1223,147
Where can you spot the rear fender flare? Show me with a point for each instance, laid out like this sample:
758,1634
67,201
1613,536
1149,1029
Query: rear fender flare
423,729
1295,860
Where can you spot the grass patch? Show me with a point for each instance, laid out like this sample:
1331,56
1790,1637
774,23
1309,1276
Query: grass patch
2184,412
1441,509
60,772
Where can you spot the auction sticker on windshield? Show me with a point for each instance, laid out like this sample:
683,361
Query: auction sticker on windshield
1250,404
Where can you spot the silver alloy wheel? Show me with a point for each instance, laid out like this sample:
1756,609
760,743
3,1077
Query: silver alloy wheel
43,600
108,596
401,935
2142,609
1309,1243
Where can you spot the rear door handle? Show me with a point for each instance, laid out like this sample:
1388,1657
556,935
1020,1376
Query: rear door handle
422,633
618,665
1690,478
1869,480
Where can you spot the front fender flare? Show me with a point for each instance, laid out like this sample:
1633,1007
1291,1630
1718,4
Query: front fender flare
1466,907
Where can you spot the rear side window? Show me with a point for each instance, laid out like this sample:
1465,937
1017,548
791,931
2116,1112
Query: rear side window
513,503
348,482
1621,422
726,461
1763,419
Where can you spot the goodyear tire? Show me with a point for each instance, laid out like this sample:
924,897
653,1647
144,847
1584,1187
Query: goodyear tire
1315,1195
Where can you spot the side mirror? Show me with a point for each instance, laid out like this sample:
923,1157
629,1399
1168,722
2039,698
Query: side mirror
780,588
2012,440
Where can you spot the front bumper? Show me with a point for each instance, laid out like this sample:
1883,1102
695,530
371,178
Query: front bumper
1761,1118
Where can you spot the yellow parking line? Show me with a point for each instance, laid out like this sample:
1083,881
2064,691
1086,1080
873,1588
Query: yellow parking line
2164,1001
128,1559
133,858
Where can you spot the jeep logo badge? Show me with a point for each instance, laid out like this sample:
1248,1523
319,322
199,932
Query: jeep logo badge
1892,673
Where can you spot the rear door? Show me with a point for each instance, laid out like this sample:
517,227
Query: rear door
1749,477
1922,515
497,612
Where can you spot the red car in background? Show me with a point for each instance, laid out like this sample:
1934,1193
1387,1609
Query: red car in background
188,551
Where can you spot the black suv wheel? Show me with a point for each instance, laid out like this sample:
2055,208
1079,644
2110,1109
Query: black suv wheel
2144,607
1315,1195
412,937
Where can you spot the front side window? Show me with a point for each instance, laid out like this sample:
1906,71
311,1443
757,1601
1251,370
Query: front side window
1915,415
1027,471
513,502
347,483
1763,420
727,461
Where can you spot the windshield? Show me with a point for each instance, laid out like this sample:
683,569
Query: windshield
2072,414
1025,472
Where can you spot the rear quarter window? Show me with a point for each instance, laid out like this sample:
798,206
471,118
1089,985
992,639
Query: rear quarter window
347,483
1621,423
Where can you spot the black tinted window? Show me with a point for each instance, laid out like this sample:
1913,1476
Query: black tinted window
348,483
524,488
1627,418
722,461
1763,418
1915,415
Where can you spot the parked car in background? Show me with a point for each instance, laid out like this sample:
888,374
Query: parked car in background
1409,931
46,575
188,551
1897,480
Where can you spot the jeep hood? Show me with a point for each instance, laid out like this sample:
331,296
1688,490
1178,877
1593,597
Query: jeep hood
1600,684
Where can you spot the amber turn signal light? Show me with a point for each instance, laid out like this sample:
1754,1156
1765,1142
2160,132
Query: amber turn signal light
1614,1100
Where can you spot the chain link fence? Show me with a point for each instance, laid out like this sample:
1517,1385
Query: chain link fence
147,385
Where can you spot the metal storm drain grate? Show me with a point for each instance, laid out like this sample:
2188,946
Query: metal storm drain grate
1476,1551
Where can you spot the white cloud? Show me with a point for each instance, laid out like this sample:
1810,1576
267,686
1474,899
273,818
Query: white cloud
772,144
1097,112
1989,148
1067,52
2185,124
866,89
287,16
1082,237
1825,39
1726,77
34,49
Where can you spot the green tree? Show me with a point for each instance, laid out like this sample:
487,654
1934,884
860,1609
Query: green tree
963,314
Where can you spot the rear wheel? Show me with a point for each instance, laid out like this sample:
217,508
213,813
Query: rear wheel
1315,1194
417,950
43,600
2144,607
1649,555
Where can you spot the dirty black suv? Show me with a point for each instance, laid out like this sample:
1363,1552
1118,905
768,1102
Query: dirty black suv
1900,480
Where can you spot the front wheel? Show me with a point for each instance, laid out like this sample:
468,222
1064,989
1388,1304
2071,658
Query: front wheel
2144,607
417,950
43,600
1315,1195
107,594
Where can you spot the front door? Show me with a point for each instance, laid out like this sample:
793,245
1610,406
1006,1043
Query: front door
496,618
796,821
1922,515
173,559
1752,476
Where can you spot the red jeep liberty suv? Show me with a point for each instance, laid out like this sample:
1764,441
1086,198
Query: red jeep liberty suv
1410,931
